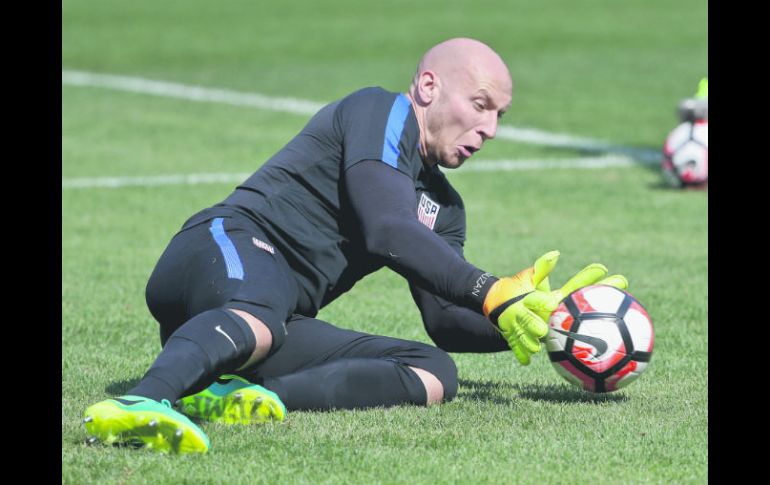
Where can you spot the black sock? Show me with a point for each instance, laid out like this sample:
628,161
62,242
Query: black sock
349,384
212,343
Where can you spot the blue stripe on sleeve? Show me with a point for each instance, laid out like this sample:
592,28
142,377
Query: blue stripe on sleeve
232,260
393,130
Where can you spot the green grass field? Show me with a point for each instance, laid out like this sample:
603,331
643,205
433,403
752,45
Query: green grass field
603,69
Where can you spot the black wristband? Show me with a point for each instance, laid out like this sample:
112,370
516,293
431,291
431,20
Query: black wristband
495,314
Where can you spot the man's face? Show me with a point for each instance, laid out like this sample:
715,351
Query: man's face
465,114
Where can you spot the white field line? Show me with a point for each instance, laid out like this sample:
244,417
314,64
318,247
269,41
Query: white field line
537,137
190,93
150,181
308,108
604,161
235,178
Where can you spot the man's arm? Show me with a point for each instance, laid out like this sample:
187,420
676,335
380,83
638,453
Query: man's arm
383,200
453,328
456,329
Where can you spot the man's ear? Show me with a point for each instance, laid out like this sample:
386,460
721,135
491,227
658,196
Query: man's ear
428,87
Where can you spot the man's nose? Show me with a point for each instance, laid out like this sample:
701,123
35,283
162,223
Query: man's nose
488,128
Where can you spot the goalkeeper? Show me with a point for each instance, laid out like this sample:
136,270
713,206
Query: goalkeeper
359,188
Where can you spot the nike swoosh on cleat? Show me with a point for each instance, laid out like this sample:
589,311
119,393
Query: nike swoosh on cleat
125,401
599,344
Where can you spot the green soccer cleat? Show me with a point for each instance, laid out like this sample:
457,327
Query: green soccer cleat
136,420
236,402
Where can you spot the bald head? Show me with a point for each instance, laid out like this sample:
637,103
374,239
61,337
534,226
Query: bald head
460,57
460,90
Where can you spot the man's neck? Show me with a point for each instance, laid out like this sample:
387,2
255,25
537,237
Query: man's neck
419,114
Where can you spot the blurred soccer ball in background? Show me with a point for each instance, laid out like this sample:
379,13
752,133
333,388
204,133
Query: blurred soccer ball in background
686,155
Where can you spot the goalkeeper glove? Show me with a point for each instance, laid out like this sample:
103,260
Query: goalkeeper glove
520,305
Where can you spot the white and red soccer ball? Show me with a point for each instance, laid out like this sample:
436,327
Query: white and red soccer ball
600,338
686,155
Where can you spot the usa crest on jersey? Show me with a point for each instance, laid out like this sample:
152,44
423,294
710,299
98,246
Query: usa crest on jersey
427,211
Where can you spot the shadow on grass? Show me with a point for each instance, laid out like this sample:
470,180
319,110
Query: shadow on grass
492,391
661,185
566,393
119,388
497,392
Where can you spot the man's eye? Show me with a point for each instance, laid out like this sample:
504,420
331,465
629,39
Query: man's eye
479,106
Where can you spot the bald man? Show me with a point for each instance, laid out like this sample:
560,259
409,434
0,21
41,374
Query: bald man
359,188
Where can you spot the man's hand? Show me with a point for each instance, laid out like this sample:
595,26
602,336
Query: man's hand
520,305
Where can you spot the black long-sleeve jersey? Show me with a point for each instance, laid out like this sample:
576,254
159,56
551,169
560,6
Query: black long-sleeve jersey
350,194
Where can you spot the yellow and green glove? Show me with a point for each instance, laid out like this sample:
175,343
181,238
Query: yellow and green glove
520,305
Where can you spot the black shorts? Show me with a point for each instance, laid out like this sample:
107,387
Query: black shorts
221,262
